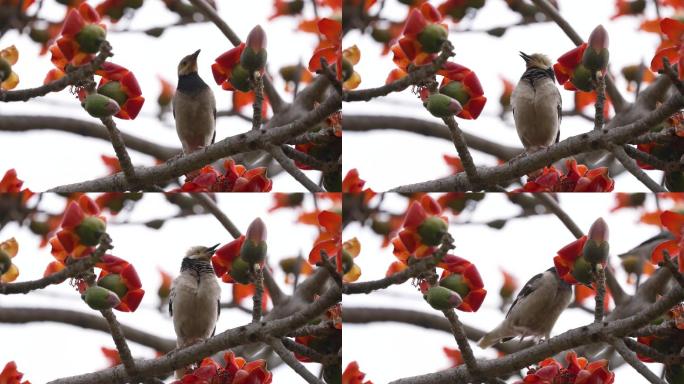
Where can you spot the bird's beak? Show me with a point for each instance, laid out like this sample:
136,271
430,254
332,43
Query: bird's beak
194,55
525,56
211,249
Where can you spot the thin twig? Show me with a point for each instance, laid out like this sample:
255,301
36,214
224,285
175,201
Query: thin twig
289,166
600,100
462,341
631,358
631,166
258,88
258,293
600,279
463,151
290,360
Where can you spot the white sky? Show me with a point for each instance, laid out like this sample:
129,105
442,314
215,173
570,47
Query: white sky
406,158
525,247
70,158
46,351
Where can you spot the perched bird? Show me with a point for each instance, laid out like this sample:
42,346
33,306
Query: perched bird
536,104
534,311
194,107
194,302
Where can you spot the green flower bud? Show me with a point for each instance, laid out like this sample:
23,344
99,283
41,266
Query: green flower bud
240,78
432,37
90,38
381,227
595,61
114,283
477,4
135,4
581,78
443,298
253,57
113,90
101,298
39,227
632,264
100,105
440,105
39,35
289,265
5,262
456,90
637,6
581,271
456,283
115,13
596,252
254,247
90,230
295,7
347,262
432,230
347,69
295,199
239,271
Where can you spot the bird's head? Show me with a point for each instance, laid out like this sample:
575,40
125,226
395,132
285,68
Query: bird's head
188,64
536,60
201,253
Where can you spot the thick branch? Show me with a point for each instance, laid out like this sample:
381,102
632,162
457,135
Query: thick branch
70,271
235,144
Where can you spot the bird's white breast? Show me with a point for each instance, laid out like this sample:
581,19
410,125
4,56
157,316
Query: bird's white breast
195,307
535,110
195,121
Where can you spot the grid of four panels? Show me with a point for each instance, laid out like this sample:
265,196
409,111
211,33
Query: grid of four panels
177,205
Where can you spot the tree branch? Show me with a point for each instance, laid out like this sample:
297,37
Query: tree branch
289,166
290,360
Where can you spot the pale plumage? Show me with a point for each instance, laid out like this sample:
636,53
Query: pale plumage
536,104
194,302
534,311
194,107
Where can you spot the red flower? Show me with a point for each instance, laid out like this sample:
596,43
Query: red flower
628,7
227,71
578,371
10,375
570,72
112,355
423,37
462,277
121,85
330,46
570,264
352,183
224,257
166,93
454,355
578,178
463,85
330,239
82,226
628,200
674,222
10,183
120,276
423,230
236,371
243,291
352,375
509,286
236,179
243,99
671,48
81,37
286,8
286,200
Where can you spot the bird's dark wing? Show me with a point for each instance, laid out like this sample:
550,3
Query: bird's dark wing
171,304
529,287
559,109
218,309
213,139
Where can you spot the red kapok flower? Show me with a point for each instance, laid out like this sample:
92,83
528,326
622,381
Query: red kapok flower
82,227
10,183
224,257
578,371
423,37
286,200
674,222
454,355
423,230
121,85
330,46
628,7
236,179
671,48
352,375
112,356
81,37
352,183
120,276
571,265
463,85
10,375
286,8
462,277
236,371
571,73
579,178
229,73
330,238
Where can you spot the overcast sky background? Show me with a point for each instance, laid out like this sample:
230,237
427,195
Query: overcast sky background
387,159
524,247
70,158
47,351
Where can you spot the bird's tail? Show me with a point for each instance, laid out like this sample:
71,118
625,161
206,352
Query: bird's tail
495,336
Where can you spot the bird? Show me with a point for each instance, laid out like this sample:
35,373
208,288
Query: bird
194,107
194,301
534,311
536,104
